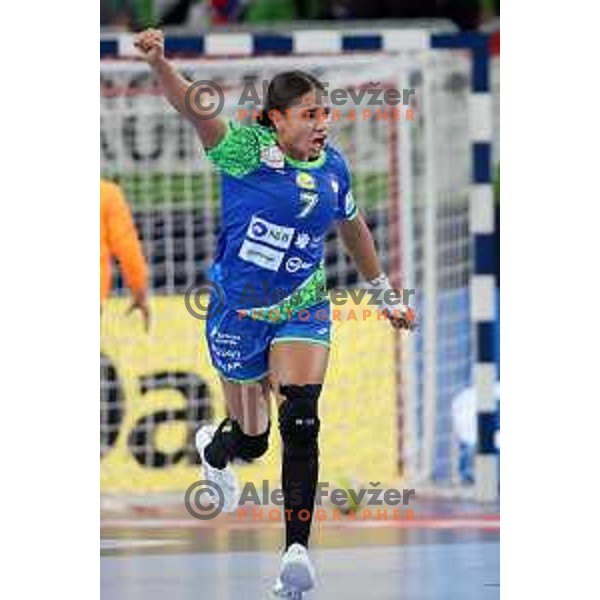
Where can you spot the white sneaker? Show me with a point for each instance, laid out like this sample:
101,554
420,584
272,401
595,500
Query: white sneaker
297,574
281,591
225,478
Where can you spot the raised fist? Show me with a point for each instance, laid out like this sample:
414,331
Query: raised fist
151,45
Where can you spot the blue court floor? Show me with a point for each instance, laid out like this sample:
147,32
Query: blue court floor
454,557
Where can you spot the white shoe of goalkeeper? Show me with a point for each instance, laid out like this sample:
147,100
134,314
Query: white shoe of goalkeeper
225,478
297,574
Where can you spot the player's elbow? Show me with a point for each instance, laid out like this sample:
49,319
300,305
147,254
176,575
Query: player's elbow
210,131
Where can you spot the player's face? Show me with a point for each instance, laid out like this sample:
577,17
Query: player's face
302,129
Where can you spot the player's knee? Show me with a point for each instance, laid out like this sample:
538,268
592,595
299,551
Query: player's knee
253,446
299,422
231,438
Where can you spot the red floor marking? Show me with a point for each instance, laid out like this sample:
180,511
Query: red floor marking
481,522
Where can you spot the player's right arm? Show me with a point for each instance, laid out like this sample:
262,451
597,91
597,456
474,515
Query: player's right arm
175,87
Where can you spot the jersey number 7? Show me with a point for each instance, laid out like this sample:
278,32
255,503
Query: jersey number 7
309,199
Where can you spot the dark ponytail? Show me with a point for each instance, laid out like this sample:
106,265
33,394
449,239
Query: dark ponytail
284,89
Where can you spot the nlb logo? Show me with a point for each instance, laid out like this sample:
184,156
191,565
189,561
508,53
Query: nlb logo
259,229
270,233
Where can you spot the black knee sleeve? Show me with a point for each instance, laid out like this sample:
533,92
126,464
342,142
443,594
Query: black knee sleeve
253,446
231,442
299,422
299,427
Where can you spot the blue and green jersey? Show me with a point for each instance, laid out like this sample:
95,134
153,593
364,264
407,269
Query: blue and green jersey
275,214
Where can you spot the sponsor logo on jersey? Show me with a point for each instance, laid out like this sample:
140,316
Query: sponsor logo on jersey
335,186
273,157
258,229
295,263
350,205
224,338
261,256
227,353
305,181
270,233
302,240
228,367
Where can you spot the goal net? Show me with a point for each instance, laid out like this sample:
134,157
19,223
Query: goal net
387,404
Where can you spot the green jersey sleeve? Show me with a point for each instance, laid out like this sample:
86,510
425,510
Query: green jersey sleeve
239,152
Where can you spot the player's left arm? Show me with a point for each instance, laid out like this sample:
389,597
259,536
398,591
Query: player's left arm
359,243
